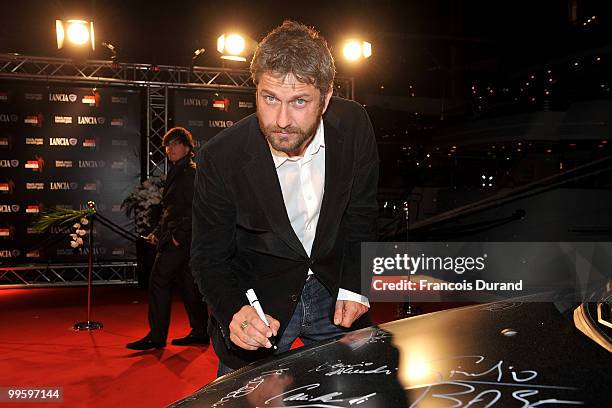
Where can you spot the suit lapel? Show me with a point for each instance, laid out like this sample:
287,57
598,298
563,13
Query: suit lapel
334,145
174,171
261,174
170,178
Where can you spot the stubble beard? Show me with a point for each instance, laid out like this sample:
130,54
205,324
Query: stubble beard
290,139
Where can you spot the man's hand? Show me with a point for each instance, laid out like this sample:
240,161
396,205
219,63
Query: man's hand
175,242
249,332
151,239
347,312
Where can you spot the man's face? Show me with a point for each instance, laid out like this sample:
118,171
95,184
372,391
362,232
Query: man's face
289,112
175,151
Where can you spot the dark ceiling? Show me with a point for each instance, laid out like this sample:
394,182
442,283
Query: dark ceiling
411,39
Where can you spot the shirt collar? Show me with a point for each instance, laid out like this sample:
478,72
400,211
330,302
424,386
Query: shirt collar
313,148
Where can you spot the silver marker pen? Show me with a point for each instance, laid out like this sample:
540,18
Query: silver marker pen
253,301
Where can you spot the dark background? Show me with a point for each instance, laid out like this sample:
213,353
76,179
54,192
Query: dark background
412,40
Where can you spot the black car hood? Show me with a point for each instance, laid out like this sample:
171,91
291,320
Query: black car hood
507,354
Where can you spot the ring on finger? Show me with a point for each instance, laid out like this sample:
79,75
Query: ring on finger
244,325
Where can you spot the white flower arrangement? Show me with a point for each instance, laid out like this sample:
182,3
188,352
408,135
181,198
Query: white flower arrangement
64,216
141,200
80,230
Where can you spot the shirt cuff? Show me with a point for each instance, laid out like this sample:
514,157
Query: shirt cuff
344,294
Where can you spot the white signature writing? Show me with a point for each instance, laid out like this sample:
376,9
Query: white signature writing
249,387
311,400
464,387
341,368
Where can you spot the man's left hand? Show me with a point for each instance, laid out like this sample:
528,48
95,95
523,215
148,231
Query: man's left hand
347,312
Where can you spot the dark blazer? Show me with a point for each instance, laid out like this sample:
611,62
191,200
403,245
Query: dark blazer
243,237
175,221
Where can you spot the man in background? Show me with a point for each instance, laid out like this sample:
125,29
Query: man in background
172,237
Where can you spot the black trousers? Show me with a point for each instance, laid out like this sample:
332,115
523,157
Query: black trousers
171,268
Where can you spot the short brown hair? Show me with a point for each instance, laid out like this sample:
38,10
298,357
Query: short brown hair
181,134
293,48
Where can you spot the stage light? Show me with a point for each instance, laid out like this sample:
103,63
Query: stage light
112,49
234,47
355,50
352,51
77,33
367,49
198,52
195,56
234,44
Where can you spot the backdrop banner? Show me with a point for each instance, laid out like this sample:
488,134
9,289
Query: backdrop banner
61,147
206,113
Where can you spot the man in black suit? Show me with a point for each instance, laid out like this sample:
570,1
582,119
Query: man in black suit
173,239
283,200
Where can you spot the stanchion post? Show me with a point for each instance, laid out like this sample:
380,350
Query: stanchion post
89,324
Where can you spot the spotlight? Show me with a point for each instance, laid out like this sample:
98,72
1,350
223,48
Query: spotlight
195,56
234,47
354,50
234,44
199,51
76,33
112,49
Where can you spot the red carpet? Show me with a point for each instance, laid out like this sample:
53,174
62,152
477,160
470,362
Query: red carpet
39,348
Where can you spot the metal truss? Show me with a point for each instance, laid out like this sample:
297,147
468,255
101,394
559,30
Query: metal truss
157,79
15,66
157,126
66,274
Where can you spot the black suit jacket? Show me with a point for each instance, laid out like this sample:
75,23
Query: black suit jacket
175,221
243,237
